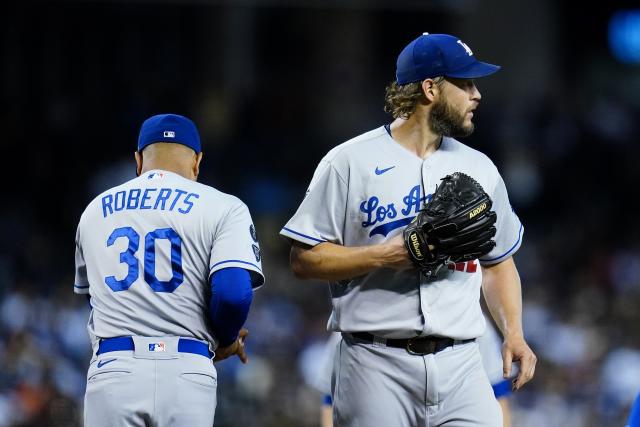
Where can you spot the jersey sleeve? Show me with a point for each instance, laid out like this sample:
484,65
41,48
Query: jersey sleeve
321,215
509,229
81,282
236,245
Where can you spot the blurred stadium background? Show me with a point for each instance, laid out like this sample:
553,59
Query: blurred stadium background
273,85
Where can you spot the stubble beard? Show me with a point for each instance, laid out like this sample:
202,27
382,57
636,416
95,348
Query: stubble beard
444,120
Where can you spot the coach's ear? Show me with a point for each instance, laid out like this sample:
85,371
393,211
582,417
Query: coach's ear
138,157
196,165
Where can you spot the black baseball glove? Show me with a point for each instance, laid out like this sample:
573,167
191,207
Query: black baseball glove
456,225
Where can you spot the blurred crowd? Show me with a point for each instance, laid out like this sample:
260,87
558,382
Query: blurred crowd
568,156
580,268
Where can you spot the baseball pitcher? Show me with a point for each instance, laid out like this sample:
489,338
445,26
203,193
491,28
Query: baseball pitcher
407,224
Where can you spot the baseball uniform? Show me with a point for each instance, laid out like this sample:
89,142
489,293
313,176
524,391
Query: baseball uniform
489,345
364,192
145,251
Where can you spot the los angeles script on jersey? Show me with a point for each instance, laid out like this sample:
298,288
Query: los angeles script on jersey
378,212
168,199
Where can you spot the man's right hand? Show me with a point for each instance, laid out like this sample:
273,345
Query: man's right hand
237,348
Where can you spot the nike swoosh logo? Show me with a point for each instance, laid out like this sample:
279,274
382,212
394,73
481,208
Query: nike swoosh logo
381,171
104,362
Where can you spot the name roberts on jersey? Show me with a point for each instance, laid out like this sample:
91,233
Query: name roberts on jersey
149,198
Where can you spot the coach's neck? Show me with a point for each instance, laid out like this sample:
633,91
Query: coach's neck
170,157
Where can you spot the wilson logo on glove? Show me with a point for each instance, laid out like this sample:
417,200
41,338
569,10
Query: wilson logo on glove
415,246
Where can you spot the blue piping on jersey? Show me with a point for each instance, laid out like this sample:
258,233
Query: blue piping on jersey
501,389
303,235
235,260
510,249
81,287
384,229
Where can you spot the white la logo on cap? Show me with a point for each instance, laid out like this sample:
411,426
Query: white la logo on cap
169,134
464,45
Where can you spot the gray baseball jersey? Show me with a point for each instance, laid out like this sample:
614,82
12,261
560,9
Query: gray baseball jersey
365,191
144,252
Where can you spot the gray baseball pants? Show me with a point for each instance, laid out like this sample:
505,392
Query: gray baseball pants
154,385
373,385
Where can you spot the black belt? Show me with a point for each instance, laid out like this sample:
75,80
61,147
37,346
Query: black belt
415,345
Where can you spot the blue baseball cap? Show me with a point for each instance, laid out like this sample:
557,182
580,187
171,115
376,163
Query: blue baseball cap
169,128
432,55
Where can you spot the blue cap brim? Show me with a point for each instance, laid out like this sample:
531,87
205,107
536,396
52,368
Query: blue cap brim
474,70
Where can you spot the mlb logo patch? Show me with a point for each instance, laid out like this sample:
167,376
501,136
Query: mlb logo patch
155,175
157,346
169,134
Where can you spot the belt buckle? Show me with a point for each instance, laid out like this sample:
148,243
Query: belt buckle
421,346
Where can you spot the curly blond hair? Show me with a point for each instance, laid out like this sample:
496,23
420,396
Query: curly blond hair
401,100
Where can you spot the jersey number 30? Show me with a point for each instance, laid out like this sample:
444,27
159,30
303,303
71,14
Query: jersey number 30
129,257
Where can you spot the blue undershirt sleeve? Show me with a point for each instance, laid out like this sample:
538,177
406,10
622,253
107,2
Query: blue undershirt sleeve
501,389
634,416
231,296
